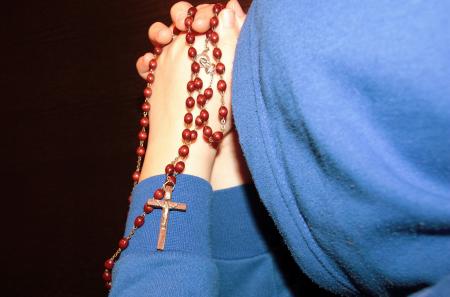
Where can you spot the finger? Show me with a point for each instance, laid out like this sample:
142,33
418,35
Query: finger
227,27
202,17
237,8
158,33
228,31
202,6
178,12
142,65
165,36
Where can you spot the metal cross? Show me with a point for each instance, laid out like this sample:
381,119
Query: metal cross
166,205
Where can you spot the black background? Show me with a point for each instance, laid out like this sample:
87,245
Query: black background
70,99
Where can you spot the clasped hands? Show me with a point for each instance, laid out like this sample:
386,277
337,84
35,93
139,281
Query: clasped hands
225,166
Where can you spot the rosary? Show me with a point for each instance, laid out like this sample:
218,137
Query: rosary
162,197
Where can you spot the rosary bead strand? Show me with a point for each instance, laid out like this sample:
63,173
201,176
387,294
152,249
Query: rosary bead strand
140,152
195,84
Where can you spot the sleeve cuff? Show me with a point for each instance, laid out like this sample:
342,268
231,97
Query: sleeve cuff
186,231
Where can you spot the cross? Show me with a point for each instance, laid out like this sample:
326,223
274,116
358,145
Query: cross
166,205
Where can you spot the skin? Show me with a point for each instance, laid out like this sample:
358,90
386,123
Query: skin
225,166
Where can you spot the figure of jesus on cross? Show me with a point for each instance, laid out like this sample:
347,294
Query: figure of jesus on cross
166,205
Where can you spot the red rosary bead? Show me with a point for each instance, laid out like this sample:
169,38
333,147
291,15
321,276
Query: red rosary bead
190,86
209,93
150,78
195,67
217,136
123,243
109,264
186,134
217,53
201,99
171,180
208,34
221,85
220,68
183,151
190,102
145,107
179,166
214,37
213,22
207,131
139,221
223,112
198,121
170,169
190,38
159,194
106,276
147,208
158,50
140,151
152,64
142,135
188,21
217,8
192,11
144,122
147,92
204,115
192,52
136,175
188,118
193,135
108,285
198,83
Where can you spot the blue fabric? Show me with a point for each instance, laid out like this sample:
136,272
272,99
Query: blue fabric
224,245
242,249
343,114
186,262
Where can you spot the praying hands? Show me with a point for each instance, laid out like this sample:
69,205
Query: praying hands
222,166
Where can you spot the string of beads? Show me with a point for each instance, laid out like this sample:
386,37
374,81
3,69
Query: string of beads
190,133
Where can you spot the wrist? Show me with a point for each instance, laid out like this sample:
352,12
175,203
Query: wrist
187,231
162,149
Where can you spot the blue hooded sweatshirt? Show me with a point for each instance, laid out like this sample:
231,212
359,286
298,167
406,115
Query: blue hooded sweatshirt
343,114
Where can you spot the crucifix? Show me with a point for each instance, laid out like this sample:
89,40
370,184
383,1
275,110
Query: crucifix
166,205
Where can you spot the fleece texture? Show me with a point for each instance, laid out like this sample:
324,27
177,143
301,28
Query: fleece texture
225,244
343,114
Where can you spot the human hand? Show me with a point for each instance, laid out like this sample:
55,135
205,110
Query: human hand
169,88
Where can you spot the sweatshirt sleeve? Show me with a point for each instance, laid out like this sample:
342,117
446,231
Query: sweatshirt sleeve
185,267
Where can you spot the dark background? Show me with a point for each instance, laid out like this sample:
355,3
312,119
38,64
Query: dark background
70,99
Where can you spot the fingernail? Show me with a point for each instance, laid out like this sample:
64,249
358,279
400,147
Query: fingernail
228,18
